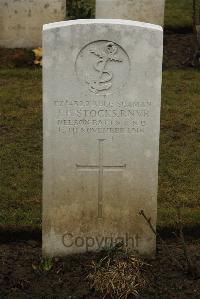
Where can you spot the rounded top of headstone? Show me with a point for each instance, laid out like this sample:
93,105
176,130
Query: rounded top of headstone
101,21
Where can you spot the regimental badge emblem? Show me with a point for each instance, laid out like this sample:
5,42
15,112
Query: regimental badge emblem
103,67
104,76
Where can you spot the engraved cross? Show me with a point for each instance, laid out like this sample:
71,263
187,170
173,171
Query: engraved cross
100,168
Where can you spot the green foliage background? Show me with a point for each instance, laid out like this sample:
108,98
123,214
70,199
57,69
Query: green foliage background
178,13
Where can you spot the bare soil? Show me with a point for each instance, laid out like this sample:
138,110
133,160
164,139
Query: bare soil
178,50
20,277
16,58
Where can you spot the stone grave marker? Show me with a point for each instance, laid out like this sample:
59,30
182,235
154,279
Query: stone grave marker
22,20
150,11
101,94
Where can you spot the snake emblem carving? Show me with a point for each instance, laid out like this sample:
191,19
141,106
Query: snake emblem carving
103,80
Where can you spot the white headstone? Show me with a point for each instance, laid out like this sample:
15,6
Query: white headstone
21,21
102,92
150,11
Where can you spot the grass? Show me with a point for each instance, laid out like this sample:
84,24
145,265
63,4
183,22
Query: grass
21,142
178,14
180,123
21,148
179,174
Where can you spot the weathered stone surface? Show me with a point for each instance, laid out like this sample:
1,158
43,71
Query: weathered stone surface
102,91
21,21
150,11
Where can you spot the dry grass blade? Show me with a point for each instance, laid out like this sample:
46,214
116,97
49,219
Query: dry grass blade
118,276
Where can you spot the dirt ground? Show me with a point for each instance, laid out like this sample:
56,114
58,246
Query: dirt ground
178,49
20,278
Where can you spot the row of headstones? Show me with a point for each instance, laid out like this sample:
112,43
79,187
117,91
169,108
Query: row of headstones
21,21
